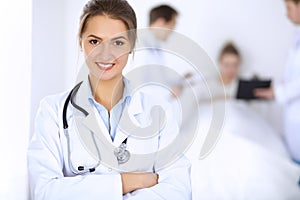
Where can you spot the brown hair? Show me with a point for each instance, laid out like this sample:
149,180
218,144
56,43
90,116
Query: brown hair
229,48
115,9
163,11
295,1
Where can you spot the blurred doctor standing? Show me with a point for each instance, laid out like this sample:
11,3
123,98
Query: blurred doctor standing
152,54
162,21
288,93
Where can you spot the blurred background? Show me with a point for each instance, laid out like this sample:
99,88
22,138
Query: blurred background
39,56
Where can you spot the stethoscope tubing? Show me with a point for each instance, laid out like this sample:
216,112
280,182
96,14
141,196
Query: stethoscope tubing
81,169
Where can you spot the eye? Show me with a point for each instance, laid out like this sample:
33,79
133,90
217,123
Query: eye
94,42
119,43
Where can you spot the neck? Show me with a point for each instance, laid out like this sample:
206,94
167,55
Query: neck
158,32
107,92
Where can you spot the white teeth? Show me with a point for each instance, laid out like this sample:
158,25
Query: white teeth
105,65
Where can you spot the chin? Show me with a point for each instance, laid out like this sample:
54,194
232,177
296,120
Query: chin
108,77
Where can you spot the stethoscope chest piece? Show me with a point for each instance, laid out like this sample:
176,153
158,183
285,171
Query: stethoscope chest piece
122,154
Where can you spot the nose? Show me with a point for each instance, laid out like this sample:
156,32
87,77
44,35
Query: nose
105,52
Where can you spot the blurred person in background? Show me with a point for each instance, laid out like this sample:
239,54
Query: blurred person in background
288,93
152,55
224,86
162,21
229,64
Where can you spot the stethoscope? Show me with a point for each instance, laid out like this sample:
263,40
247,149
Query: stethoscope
120,152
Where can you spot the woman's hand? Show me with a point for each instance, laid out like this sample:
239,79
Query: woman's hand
264,93
138,180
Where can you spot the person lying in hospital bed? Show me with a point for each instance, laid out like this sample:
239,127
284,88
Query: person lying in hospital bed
249,160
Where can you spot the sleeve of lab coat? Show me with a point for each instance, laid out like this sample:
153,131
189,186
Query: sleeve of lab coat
45,165
174,181
288,91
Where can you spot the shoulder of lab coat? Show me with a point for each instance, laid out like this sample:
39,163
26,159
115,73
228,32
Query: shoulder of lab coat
45,162
289,90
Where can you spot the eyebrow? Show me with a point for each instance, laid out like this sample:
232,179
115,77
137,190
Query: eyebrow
119,37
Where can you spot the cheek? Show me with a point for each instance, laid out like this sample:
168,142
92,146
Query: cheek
234,71
290,15
297,15
122,60
293,14
87,52
224,69
89,56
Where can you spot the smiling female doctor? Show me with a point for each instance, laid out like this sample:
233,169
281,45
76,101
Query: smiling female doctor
62,165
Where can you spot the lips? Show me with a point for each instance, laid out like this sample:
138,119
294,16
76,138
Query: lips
105,66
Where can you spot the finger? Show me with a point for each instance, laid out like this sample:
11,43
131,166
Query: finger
259,90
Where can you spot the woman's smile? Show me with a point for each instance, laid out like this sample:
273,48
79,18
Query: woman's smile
105,66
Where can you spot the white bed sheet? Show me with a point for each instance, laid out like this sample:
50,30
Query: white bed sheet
249,161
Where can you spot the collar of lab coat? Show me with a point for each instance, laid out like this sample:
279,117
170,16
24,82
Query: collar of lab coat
94,122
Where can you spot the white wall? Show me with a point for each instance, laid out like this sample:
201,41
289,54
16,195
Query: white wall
48,50
55,51
15,78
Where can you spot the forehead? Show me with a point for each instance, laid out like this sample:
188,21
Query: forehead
105,27
291,4
230,57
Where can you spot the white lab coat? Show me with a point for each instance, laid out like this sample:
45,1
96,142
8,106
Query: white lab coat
50,175
288,93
